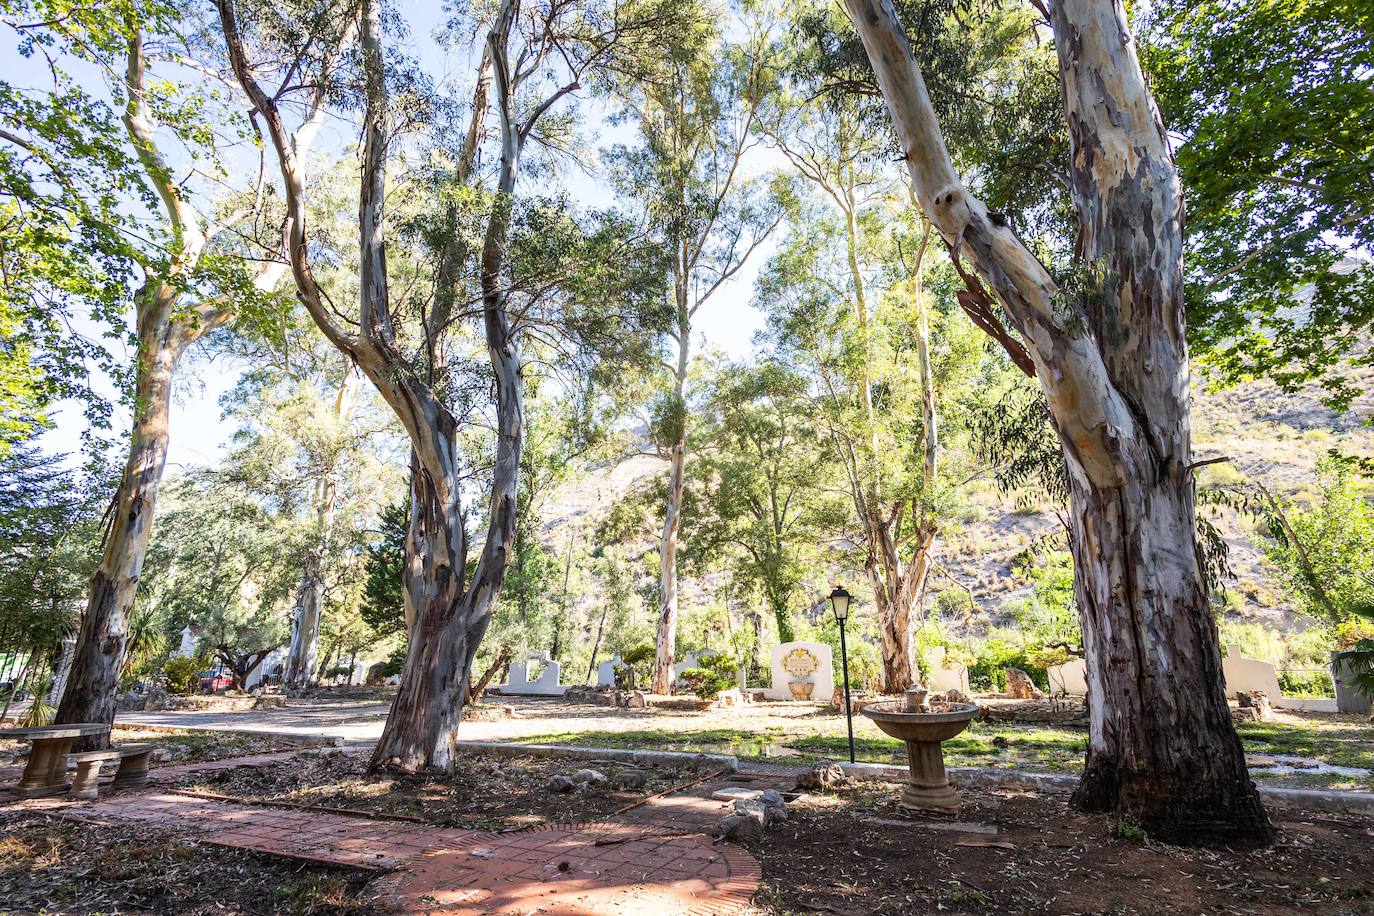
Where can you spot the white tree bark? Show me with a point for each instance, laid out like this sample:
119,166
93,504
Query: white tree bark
166,327
1115,374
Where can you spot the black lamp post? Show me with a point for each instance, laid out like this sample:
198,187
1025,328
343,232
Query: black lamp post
839,603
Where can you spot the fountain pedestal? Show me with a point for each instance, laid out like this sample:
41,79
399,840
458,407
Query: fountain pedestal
922,727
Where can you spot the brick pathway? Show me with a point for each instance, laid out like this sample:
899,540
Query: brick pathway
657,858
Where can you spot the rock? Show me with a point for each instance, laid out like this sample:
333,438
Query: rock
740,828
157,699
1021,687
1245,714
374,675
821,776
590,777
630,779
1257,700
952,696
561,784
769,809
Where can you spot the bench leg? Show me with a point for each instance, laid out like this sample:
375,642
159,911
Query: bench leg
133,771
86,783
46,771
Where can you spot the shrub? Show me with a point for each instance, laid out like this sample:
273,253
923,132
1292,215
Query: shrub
704,682
988,671
1306,684
183,674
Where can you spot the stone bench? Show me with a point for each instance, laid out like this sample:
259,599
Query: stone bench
132,773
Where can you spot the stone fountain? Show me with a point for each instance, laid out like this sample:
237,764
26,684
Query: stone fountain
923,725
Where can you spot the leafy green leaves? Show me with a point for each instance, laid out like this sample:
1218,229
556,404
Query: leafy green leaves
1274,105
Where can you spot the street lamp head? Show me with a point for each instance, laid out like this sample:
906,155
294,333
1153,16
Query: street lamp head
839,603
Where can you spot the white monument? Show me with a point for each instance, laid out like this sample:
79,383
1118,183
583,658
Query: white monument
605,672
802,671
945,675
546,685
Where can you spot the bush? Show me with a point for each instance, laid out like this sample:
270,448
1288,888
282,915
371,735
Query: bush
704,682
183,674
1306,684
640,662
988,671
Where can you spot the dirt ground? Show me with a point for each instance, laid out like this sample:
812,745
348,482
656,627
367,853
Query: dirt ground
855,852
52,866
486,793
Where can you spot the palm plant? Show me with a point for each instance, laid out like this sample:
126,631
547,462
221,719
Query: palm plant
1358,661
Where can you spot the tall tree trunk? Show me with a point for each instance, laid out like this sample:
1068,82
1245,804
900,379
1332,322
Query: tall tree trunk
103,637
666,640
450,621
305,627
1115,372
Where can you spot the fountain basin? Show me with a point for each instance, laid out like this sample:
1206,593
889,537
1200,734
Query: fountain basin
928,787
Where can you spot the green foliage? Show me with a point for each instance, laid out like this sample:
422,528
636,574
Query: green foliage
704,682
994,656
1271,101
761,502
1049,620
1322,550
183,674
383,607
49,543
40,711
1306,684
1357,662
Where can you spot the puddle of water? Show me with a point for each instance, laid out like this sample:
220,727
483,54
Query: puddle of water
1281,765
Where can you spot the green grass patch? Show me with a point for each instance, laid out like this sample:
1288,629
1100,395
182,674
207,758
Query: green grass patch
1344,744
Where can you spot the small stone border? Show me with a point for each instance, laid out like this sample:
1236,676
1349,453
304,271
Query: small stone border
1326,800
574,752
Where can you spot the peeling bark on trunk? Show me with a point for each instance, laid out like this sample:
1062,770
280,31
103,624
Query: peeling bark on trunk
666,639
449,620
1115,372
103,636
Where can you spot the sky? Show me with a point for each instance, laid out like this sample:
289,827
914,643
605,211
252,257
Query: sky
199,435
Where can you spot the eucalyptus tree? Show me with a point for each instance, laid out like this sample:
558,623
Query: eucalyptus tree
696,109
1109,349
526,267
203,260
764,496
67,242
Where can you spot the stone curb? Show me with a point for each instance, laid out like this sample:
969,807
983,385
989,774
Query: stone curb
1327,800
571,752
305,739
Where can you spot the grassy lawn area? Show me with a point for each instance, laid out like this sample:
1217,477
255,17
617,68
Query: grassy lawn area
1048,749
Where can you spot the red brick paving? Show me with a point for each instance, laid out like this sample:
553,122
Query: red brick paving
561,870
656,859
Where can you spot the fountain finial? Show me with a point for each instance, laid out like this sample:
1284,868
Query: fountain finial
916,699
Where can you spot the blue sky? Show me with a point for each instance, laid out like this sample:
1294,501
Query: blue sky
726,323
